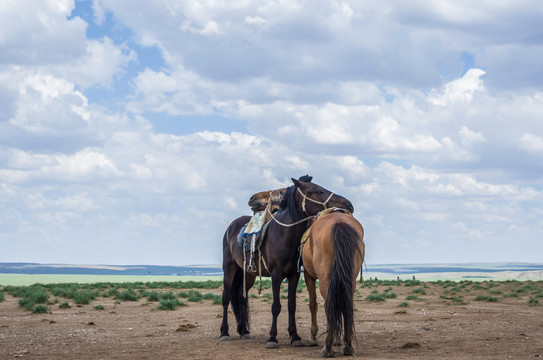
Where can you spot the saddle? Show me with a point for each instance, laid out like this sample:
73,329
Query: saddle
251,236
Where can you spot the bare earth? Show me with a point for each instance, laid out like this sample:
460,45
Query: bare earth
432,328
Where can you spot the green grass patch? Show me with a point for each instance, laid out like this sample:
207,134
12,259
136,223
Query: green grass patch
64,305
413,297
534,302
40,309
403,304
376,298
420,291
99,307
170,304
486,298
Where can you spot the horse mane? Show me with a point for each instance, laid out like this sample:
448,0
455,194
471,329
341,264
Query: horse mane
306,178
289,200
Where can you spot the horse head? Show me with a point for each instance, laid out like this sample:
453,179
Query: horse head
314,198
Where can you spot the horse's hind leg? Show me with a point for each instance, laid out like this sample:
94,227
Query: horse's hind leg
313,307
295,339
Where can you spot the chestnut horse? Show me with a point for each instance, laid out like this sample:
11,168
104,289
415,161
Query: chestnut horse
333,253
279,253
272,198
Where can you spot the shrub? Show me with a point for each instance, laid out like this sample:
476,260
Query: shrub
1,295
413,297
403,304
217,299
64,305
419,291
376,297
99,307
168,295
533,302
412,283
195,296
40,309
511,294
170,304
128,295
486,298
84,297
152,296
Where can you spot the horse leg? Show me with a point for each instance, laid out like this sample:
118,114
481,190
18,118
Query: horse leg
229,269
276,309
243,324
327,350
313,307
295,339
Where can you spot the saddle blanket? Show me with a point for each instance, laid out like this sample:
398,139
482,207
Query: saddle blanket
255,224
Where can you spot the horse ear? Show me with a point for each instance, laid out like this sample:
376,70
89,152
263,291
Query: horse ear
296,182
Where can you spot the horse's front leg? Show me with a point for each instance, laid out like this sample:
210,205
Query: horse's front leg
295,339
276,309
229,270
310,282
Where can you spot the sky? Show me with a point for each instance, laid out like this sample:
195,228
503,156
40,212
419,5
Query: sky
134,132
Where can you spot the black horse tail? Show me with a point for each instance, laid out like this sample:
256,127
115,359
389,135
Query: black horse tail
240,305
339,300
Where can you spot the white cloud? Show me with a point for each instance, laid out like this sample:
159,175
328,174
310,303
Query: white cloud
531,143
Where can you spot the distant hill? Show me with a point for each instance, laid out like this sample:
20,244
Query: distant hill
65,269
213,270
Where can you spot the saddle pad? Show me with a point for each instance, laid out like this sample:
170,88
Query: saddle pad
255,224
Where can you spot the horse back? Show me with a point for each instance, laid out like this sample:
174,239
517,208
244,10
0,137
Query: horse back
318,252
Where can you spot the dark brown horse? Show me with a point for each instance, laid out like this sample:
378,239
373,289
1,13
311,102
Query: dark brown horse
280,256
333,253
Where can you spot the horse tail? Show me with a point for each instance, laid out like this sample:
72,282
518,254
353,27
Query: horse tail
339,300
240,305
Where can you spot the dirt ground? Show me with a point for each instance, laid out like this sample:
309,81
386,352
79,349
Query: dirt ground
430,328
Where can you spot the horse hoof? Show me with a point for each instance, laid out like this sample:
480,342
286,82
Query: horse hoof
310,342
225,338
246,336
272,345
326,353
297,343
349,351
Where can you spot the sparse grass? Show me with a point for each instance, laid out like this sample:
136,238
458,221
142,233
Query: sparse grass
84,297
40,309
192,295
420,291
376,298
217,299
127,295
533,302
413,297
486,298
403,304
1,295
99,307
170,304
402,311
152,296
64,305
511,294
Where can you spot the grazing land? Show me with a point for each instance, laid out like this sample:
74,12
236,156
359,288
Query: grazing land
165,320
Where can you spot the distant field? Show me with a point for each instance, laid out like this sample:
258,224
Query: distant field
24,279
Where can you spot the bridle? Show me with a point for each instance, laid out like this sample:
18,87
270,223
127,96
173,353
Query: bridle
304,198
